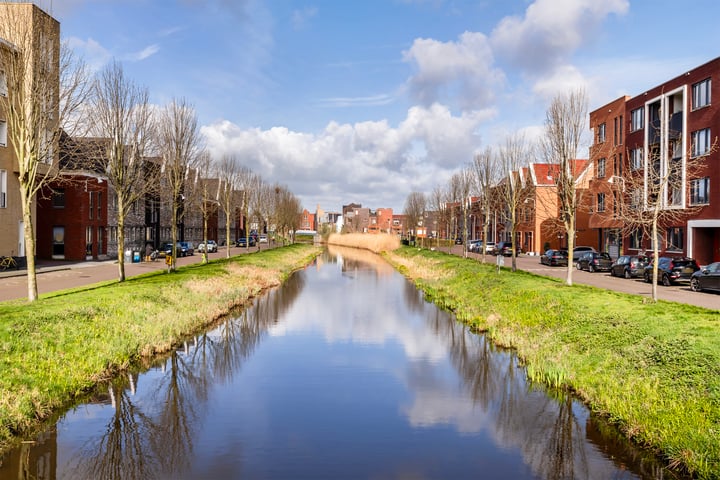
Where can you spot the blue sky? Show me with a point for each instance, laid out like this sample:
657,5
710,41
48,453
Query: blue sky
367,100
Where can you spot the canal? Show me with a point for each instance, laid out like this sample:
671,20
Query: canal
344,372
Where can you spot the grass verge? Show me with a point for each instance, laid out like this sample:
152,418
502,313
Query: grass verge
57,348
651,369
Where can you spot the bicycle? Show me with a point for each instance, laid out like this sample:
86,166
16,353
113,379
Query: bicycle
8,262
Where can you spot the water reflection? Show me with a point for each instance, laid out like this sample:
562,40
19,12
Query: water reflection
344,372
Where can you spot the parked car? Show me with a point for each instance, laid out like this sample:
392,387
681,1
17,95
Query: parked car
672,270
579,251
489,247
186,248
707,278
180,250
245,242
629,266
475,246
458,241
503,248
594,262
554,258
262,238
212,247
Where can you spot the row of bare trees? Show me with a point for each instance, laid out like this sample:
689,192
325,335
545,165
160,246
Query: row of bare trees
645,198
142,150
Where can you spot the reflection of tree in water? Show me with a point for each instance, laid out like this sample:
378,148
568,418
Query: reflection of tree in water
121,452
139,444
545,427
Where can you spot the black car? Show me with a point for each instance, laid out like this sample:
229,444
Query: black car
629,266
245,242
672,270
707,278
579,252
594,262
503,248
554,258
182,249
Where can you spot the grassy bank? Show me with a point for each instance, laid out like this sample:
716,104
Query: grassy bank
652,369
59,347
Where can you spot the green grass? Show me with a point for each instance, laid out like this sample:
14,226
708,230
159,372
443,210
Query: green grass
653,369
59,347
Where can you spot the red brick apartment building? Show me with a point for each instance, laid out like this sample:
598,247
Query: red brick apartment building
676,121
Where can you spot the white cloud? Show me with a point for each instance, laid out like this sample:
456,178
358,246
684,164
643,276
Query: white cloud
551,30
457,73
94,54
146,52
368,162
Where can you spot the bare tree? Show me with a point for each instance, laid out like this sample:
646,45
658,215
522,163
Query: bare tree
45,86
461,183
513,156
247,182
287,212
415,205
439,204
229,172
485,169
652,193
565,126
123,123
178,143
207,195
266,206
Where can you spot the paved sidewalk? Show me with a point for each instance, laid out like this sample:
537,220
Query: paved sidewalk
55,275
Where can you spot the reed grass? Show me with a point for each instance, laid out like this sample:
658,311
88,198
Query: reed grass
380,242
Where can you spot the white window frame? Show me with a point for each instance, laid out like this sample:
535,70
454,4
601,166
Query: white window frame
3,188
700,191
700,142
3,133
601,167
637,119
602,133
636,158
3,84
601,202
701,94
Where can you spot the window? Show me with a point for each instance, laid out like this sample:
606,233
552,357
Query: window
637,119
636,158
3,188
601,133
600,202
92,206
700,191
3,84
3,133
636,239
675,238
620,141
58,199
701,94
601,168
701,142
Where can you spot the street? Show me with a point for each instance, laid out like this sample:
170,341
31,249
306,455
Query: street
678,293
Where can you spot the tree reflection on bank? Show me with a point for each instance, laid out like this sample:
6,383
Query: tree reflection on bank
151,426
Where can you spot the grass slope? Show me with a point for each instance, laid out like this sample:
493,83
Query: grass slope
652,369
60,346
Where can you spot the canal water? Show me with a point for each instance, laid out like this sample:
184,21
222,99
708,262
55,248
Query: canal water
344,372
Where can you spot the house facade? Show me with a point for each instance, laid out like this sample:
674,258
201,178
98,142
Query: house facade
673,128
31,37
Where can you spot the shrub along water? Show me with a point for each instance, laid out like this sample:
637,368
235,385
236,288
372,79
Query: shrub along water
652,369
59,347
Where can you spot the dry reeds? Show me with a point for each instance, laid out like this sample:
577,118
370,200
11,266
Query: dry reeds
380,242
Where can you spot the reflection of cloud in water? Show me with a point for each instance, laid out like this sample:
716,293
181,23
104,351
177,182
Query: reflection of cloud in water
369,311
